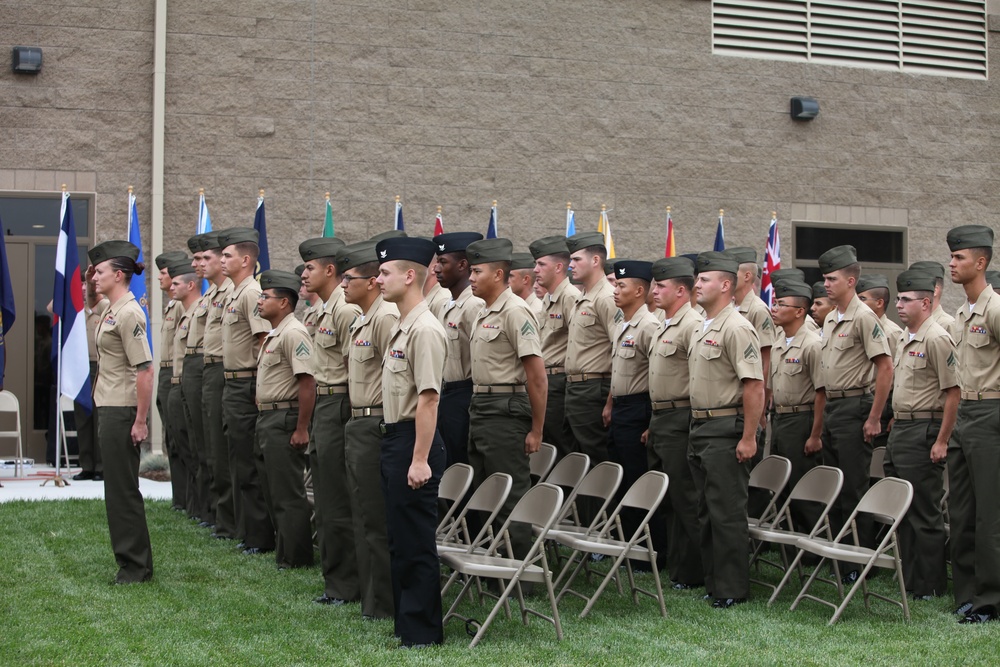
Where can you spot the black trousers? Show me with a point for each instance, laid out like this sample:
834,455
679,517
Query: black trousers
411,519
453,420
629,418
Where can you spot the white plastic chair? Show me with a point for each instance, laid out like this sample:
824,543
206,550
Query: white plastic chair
9,403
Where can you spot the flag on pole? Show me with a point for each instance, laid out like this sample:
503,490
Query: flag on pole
204,225
720,235
604,227
570,220
259,224
438,223
671,249
772,261
6,304
328,222
398,224
69,352
138,283
491,228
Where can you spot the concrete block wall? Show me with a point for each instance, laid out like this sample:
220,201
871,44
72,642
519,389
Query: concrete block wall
455,103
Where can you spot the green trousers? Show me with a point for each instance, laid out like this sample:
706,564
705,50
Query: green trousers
192,382
788,438
126,512
240,422
334,525
178,489
215,440
86,434
364,476
283,475
722,484
188,466
498,424
974,477
844,447
921,534
556,431
585,402
674,528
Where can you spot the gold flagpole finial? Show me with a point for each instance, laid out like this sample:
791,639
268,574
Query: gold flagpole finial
494,203
328,196
64,187
604,207
262,192
721,211
439,210
130,189
201,192
774,214
397,199
668,209
569,205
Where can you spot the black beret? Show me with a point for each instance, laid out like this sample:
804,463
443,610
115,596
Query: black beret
420,251
455,241
111,249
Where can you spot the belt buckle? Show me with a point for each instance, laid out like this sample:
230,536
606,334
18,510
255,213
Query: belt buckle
381,426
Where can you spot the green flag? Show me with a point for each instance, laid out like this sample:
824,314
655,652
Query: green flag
328,223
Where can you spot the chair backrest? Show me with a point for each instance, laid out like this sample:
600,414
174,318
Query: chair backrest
819,485
771,475
645,494
489,497
887,500
491,493
8,402
877,469
601,482
541,462
539,507
570,471
455,481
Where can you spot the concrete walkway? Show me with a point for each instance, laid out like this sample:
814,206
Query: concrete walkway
31,488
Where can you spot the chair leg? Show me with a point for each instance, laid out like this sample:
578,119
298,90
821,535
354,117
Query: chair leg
550,589
862,583
604,584
795,566
809,582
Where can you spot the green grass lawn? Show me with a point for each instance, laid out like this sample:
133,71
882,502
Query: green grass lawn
208,605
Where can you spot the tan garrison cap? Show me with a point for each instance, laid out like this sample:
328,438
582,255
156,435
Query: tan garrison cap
489,250
837,258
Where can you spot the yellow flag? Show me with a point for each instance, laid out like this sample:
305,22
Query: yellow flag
604,227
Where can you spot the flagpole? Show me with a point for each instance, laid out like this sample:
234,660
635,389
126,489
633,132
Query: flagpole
57,479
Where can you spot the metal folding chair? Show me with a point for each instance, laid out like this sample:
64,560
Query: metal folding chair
455,483
9,404
541,462
771,476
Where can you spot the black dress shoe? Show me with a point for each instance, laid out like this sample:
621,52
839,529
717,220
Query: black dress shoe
680,586
217,536
98,477
985,615
726,603
327,600
206,524
83,475
241,545
963,609
256,551
850,578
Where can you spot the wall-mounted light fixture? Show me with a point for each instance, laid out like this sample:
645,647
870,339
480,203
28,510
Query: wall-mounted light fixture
26,59
804,108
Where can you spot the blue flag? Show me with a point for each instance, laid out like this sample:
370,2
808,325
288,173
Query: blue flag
6,304
138,283
69,351
204,225
491,228
263,259
720,236
398,222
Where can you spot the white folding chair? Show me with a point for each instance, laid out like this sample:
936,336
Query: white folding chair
886,502
9,404
538,507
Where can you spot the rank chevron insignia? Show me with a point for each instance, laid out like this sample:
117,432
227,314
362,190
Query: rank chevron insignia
302,350
750,353
137,332
877,333
528,329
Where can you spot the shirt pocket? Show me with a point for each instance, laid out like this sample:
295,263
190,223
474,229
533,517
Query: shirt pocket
709,352
397,381
585,319
554,323
231,319
914,362
271,358
327,341
843,343
977,340
791,369
666,349
490,335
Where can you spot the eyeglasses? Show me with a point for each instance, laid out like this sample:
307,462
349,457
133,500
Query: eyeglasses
907,299
786,305
348,279
265,297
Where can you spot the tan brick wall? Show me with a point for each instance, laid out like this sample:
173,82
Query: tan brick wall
456,103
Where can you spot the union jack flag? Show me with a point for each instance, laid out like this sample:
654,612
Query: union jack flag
772,261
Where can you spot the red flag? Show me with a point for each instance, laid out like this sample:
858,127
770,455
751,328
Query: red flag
438,225
671,250
772,261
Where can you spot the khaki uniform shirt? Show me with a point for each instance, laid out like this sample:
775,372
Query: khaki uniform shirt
212,339
756,312
557,312
975,336
504,333
941,317
536,305
892,333
437,299
240,326
196,333
811,325
630,354
796,371
659,314
721,357
285,354
414,362
924,368
171,316
121,347
592,330
369,341
93,321
668,356
458,316
333,332
181,335
849,345
310,316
